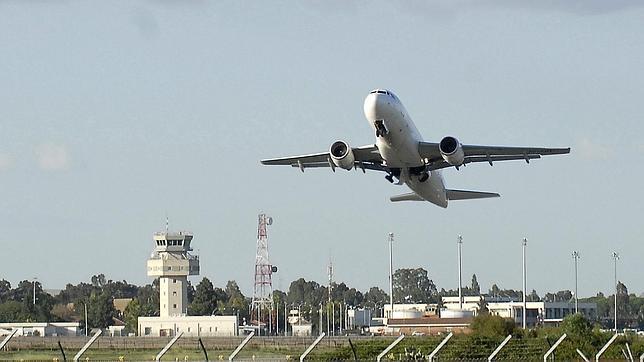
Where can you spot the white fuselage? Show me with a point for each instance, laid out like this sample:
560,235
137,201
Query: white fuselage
398,144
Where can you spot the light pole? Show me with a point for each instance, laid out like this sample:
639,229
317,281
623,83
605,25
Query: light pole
391,273
86,332
525,310
459,242
615,258
575,256
34,283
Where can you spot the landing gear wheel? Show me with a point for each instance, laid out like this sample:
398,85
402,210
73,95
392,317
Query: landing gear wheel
423,177
377,133
390,178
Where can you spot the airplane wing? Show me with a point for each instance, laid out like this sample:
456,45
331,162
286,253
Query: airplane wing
490,154
366,157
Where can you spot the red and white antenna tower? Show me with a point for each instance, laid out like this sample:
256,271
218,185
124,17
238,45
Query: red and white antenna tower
262,304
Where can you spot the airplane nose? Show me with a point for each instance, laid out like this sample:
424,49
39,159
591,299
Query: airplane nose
373,105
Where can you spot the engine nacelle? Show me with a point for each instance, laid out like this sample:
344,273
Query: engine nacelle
342,155
451,151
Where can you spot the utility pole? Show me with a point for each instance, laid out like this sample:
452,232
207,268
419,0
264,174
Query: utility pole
575,256
525,310
616,258
460,282
391,274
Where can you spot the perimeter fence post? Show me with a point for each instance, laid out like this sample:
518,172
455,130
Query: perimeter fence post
7,338
554,346
241,345
440,345
392,345
630,354
315,343
86,346
167,346
601,351
498,349
582,355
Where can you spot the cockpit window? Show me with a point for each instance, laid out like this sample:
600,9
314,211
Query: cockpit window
379,91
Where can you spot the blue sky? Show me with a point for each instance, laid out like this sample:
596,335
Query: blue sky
115,114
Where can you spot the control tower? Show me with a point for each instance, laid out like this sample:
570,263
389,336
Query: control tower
172,262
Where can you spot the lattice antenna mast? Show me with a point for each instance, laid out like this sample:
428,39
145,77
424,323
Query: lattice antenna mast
263,290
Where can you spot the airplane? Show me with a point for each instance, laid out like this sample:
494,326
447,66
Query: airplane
401,153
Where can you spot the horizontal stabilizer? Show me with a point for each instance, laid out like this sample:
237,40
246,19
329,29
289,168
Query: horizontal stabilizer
406,197
467,195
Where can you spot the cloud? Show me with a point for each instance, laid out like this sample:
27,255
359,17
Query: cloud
6,162
590,150
52,157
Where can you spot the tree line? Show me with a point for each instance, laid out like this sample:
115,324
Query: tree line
410,285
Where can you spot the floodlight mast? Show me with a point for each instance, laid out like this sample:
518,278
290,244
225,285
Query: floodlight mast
615,258
391,274
460,282
525,310
575,255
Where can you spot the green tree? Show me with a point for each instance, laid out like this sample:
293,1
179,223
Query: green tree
5,290
375,296
11,311
132,314
575,325
413,286
204,302
475,288
492,325
100,310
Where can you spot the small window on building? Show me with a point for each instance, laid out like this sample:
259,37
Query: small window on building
210,330
174,306
188,329
147,331
174,294
180,242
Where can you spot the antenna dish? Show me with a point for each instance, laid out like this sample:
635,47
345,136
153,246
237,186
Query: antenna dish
269,221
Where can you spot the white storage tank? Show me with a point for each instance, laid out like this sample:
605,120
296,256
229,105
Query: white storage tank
406,314
451,313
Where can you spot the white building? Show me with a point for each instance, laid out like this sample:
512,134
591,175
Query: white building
300,327
172,262
42,329
537,312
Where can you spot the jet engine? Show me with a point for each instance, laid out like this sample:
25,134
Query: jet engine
451,151
342,155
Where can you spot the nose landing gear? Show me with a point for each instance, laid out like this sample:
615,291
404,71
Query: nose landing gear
381,129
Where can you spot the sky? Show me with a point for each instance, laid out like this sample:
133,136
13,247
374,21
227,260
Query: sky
116,114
